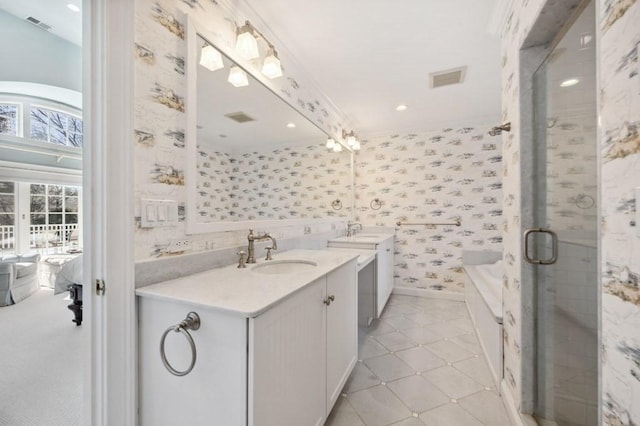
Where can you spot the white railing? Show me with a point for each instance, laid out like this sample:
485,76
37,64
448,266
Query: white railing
41,237
7,239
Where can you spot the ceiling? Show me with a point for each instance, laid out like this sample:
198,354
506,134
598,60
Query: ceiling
368,56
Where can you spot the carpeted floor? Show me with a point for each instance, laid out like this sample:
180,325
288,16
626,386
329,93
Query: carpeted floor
40,363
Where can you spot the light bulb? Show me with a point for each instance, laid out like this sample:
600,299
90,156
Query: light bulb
210,58
271,66
246,43
330,143
238,77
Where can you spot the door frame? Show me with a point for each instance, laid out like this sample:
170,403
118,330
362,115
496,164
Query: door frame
110,373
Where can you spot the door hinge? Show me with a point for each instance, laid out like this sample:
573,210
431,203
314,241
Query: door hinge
100,287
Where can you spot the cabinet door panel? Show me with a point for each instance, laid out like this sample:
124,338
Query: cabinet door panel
384,273
342,329
287,361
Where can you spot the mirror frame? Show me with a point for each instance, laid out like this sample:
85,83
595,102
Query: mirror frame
193,226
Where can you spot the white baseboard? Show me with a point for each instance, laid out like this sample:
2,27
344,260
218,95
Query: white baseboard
515,416
432,294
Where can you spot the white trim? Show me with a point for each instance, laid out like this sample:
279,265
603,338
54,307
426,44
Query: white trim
43,91
32,173
108,211
431,294
517,418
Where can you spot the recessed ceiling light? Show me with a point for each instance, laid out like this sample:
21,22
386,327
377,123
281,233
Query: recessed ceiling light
291,125
73,7
570,82
401,107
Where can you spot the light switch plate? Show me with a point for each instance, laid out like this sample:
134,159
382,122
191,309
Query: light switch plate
158,213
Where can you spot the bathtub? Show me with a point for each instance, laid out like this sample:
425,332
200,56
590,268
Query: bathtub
483,296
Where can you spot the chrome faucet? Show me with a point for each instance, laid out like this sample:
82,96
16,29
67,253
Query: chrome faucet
350,227
251,257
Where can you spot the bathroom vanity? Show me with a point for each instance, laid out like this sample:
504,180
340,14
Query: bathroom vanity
276,343
383,245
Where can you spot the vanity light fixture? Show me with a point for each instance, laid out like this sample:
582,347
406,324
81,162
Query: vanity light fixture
210,58
246,42
351,139
570,82
271,66
331,143
238,77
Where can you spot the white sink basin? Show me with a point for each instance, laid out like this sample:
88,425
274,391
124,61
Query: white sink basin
275,267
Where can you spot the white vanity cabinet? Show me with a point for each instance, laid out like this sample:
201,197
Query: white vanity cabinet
383,244
286,365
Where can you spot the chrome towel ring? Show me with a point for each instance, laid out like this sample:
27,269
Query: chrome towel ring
336,204
375,204
191,322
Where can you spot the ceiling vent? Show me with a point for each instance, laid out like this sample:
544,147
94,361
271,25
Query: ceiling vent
445,78
240,117
38,23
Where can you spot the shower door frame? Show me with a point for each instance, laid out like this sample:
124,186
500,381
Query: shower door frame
548,29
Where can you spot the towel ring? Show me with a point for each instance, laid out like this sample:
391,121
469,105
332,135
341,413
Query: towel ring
336,204
375,204
191,322
584,201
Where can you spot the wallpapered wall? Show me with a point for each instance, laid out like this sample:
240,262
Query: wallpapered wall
436,176
160,119
285,183
619,175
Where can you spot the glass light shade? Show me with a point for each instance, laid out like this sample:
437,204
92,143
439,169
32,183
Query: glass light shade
356,146
331,143
210,58
247,45
351,140
238,77
337,148
271,66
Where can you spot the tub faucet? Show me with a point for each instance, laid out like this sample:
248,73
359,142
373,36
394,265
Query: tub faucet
251,257
350,227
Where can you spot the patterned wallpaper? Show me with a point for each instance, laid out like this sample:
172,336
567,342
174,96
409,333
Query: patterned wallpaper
286,183
619,175
438,176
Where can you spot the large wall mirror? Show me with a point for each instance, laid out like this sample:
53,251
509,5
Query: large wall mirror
253,160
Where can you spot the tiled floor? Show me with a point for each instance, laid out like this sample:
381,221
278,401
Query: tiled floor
421,364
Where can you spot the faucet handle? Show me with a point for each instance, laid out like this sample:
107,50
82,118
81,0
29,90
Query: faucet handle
268,249
241,264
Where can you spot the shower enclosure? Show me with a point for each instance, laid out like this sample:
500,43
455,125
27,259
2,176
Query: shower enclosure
563,243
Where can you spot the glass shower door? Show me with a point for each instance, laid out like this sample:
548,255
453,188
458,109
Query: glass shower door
562,246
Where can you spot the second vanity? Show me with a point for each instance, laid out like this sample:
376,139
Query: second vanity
275,346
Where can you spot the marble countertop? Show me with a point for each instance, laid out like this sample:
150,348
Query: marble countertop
361,240
244,291
364,256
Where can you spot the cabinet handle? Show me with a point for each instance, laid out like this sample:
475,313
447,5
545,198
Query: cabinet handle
329,299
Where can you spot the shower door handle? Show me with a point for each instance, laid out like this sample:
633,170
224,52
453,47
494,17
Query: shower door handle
554,246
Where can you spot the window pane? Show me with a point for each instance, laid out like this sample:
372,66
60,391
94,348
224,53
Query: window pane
38,203
75,125
37,189
38,219
7,187
57,135
7,219
39,132
55,189
55,219
71,190
55,204
71,204
75,139
71,218
6,204
8,119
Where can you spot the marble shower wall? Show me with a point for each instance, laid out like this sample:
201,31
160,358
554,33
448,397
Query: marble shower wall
433,176
619,82
160,119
